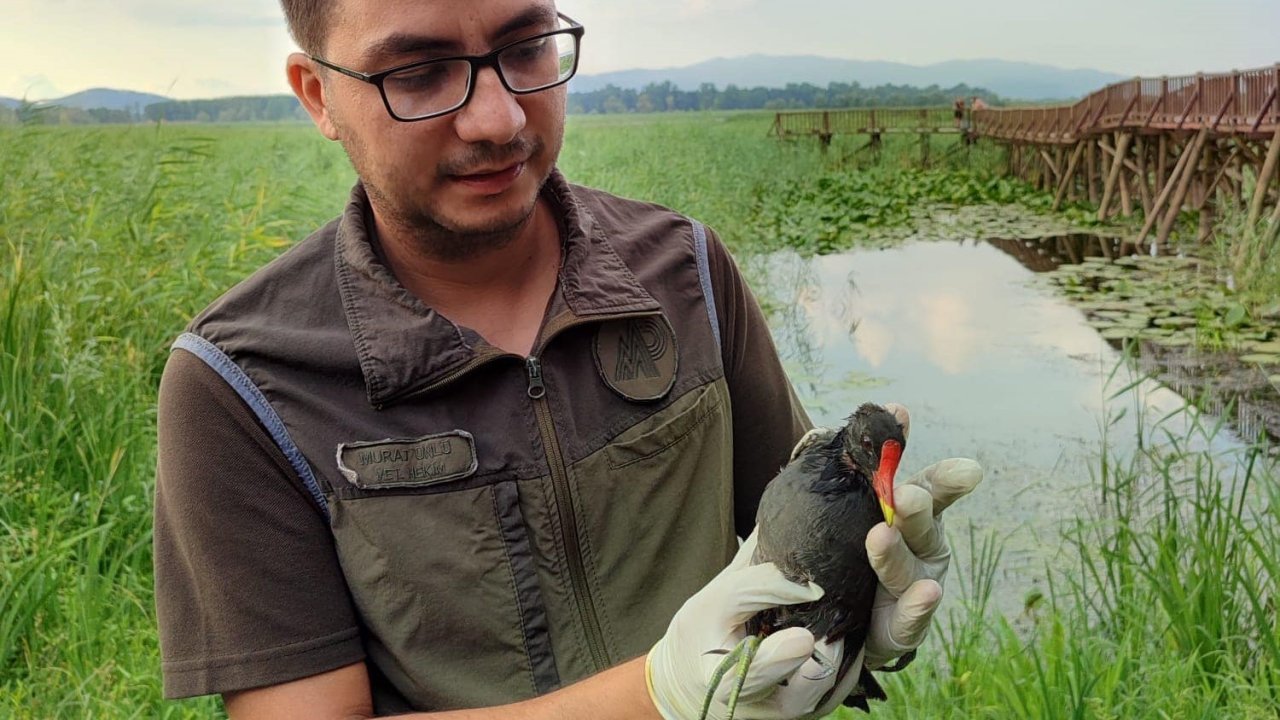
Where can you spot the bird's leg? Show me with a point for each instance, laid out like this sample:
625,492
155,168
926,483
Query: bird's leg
740,657
752,644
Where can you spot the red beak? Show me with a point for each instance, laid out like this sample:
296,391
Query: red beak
882,481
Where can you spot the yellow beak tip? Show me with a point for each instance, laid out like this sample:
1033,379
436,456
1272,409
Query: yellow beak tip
888,513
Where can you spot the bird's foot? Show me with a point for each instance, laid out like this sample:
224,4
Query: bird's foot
825,669
738,658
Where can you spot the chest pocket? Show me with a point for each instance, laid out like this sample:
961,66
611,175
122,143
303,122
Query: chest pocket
656,509
444,581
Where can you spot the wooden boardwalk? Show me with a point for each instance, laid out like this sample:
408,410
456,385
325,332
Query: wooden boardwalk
1163,145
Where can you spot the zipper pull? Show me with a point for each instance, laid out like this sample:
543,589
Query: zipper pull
536,388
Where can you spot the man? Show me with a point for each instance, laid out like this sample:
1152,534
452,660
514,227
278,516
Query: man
475,443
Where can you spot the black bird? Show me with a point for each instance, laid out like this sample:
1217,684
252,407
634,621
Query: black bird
812,523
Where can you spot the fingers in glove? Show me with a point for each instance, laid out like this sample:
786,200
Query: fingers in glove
779,657
813,681
919,527
746,551
906,624
844,685
763,586
815,436
903,417
891,559
948,481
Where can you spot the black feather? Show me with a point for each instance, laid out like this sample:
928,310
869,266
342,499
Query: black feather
813,522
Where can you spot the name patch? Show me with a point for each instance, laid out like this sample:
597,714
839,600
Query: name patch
637,357
406,463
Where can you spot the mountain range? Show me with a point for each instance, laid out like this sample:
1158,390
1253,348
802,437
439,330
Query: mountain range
95,98
1011,80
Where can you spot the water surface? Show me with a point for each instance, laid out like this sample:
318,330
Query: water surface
992,365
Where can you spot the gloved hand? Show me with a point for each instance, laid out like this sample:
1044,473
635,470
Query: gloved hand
911,558
680,665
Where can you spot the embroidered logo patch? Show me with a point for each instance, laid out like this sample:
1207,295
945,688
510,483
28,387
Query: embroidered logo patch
407,463
637,357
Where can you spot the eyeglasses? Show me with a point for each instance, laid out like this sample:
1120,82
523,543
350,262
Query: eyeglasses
432,88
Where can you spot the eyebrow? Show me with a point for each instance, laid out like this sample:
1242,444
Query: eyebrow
399,44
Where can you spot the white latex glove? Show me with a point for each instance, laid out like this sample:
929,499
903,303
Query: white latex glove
681,664
911,558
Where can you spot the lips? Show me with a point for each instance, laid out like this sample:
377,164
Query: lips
490,181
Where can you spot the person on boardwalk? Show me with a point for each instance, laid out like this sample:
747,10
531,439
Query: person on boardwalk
482,441
958,111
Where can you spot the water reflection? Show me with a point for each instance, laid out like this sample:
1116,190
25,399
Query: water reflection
1217,381
991,365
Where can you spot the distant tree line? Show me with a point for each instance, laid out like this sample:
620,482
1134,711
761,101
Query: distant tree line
260,108
33,114
666,97
654,97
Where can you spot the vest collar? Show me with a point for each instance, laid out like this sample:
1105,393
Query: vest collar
406,347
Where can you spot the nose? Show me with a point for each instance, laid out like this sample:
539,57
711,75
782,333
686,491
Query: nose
493,114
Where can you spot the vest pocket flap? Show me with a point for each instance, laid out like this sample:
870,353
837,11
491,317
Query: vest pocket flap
408,462
664,428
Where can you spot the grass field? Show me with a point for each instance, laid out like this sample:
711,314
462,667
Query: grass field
114,237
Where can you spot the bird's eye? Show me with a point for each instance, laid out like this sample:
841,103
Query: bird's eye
866,443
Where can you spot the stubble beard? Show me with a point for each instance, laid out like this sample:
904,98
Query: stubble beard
426,230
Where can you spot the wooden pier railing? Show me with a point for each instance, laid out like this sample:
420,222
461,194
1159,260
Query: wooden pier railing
1165,145
1235,103
863,121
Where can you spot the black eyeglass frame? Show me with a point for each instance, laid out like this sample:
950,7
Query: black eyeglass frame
477,62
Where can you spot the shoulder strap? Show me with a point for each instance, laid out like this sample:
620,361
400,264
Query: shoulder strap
704,277
215,358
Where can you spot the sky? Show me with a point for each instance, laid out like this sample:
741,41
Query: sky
213,48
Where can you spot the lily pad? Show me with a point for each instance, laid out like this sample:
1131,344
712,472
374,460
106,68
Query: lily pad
1261,358
1119,333
1136,321
1176,321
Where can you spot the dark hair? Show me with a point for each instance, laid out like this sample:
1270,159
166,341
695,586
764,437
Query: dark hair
307,22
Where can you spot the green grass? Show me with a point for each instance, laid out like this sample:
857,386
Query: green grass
113,237
1250,255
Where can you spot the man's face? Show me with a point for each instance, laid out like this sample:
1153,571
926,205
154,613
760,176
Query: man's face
476,171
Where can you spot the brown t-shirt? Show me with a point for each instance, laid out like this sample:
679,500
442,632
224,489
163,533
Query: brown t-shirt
249,587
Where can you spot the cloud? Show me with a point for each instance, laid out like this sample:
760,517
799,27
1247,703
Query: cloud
694,8
196,13
163,13
214,85
34,87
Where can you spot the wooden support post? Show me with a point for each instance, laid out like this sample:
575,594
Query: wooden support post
1189,172
1264,179
1117,165
1144,184
1167,189
1126,199
1068,178
924,150
1273,233
1162,161
1091,170
1054,168
1206,222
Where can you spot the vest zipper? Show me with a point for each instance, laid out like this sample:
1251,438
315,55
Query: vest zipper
537,391
568,516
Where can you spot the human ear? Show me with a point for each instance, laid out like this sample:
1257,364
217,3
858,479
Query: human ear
309,87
